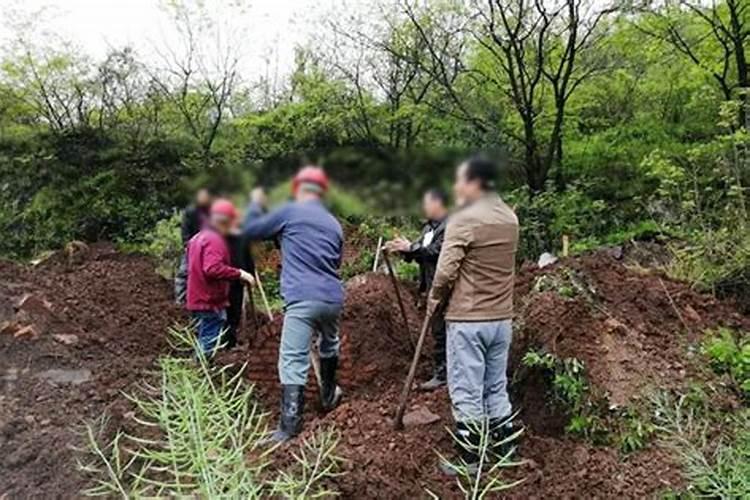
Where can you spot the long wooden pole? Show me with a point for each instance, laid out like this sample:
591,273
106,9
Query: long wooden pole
398,421
263,295
398,297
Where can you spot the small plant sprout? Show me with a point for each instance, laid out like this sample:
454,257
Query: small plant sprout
484,480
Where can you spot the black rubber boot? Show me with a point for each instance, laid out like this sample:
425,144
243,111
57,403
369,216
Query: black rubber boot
467,447
437,381
330,393
500,430
292,407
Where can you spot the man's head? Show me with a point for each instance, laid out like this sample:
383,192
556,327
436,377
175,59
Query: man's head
258,196
310,183
223,216
435,204
474,177
203,198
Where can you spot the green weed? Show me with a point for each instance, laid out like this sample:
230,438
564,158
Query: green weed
730,354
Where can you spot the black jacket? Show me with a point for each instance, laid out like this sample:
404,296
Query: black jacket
427,255
192,222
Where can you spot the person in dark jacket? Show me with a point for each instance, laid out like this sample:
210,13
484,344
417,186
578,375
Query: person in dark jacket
210,273
311,249
425,251
193,220
242,259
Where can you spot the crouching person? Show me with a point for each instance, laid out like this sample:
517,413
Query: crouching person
209,274
311,246
474,280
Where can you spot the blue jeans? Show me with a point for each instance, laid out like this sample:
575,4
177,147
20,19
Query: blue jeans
209,325
301,320
477,365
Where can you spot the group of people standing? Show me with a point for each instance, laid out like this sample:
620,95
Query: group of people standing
466,260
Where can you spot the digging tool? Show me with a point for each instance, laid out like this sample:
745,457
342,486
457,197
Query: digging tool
315,362
398,296
398,421
377,254
249,303
263,295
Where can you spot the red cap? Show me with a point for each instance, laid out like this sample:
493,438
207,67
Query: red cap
224,207
311,175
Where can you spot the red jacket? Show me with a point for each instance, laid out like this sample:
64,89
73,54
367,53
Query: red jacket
209,272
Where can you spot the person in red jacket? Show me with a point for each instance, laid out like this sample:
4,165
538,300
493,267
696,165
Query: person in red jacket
209,274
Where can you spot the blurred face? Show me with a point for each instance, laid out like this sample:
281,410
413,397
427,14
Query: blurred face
259,196
432,207
222,224
465,190
203,198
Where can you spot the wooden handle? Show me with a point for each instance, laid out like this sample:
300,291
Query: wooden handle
398,422
263,295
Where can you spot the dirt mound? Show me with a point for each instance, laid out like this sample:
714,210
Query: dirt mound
375,349
631,328
100,321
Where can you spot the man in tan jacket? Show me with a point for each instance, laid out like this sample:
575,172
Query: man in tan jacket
474,282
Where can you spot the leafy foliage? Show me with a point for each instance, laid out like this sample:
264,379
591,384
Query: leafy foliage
730,353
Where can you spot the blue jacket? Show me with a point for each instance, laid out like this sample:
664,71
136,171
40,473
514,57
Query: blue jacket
311,246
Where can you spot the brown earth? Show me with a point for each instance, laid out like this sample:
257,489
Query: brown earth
107,313
99,326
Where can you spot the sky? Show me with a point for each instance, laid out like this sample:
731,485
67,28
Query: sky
272,27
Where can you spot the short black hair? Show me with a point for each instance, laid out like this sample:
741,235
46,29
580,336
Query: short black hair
438,194
482,169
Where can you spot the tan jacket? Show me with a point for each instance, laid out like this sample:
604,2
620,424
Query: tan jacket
476,268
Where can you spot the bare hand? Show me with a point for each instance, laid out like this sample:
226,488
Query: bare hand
247,277
398,245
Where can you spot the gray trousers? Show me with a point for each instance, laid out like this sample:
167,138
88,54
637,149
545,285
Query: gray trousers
301,320
477,355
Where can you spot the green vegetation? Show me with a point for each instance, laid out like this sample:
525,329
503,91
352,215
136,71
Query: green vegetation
639,131
199,432
714,448
730,353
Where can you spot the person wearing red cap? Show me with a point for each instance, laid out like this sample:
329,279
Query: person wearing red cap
209,274
311,246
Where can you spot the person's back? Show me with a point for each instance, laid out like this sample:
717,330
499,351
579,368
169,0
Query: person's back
311,248
484,286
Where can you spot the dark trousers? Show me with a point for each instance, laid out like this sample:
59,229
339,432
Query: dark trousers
439,336
234,312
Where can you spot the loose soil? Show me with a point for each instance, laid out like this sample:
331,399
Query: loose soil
98,318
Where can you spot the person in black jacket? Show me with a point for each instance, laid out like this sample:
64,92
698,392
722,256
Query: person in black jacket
425,252
239,250
192,222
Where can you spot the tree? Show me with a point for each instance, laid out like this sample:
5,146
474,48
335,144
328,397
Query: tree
200,72
523,49
697,30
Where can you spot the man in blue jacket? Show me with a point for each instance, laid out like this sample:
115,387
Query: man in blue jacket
311,248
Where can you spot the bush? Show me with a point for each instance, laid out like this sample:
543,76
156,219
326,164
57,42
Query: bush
163,242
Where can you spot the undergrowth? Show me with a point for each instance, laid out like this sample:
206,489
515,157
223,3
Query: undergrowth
713,448
729,354
199,434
